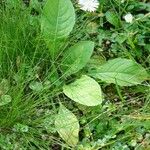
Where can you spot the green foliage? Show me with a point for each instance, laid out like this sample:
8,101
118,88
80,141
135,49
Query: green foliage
76,57
36,86
57,22
123,72
48,97
113,18
5,99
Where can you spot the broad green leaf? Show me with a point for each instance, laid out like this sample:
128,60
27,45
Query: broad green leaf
124,72
67,126
57,22
112,18
95,62
76,57
85,91
5,99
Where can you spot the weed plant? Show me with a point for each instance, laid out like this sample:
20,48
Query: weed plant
82,86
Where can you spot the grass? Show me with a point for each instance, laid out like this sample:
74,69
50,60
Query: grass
28,78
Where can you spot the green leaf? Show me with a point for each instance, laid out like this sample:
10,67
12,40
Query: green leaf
5,99
21,128
14,3
57,22
36,86
85,91
67,126
124,72
112,18
77,57
4,86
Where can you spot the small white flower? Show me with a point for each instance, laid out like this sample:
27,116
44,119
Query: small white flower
128,18
88,5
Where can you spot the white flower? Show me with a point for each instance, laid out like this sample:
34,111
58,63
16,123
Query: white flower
88,5
128,18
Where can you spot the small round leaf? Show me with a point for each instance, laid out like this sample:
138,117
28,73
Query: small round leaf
5,99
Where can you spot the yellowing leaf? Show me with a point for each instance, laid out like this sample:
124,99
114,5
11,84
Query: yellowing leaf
67,126
85,91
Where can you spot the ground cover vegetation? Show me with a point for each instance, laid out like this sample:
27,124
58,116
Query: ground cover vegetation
74,76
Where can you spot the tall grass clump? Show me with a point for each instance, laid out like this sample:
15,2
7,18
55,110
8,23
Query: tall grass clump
24,106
